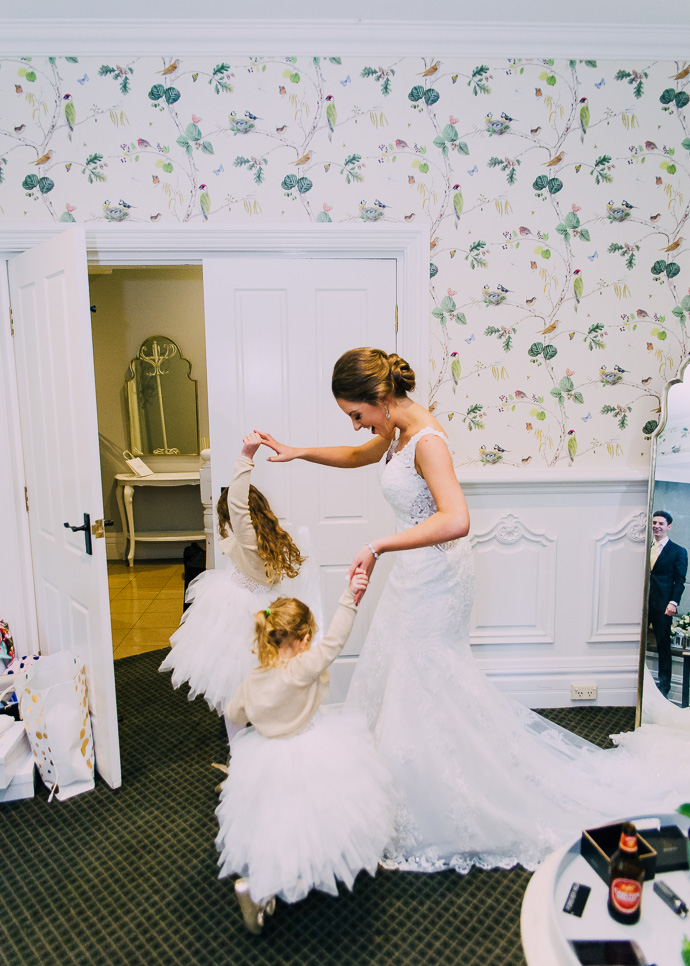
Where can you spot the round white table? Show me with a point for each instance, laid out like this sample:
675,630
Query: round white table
546,930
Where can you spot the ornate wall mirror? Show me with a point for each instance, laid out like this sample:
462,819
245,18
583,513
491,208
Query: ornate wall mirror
669,492
162,401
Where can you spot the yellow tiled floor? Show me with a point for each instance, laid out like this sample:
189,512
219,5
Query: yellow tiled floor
145,604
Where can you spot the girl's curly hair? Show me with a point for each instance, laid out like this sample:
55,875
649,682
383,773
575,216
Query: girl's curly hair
277,549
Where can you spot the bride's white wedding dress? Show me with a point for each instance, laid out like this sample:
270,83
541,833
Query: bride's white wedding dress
481,779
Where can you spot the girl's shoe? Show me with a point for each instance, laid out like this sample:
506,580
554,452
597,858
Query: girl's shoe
224,768
253,912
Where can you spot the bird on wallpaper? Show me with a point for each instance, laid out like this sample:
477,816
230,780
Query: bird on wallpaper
554,161
114,212
681,75
626,204
44,159
204,201
654,218
502,288
380,204
239,125
584,117
673,246
548,329
331,116
609,377
572,445
519,394
252,117
455,369
620,369
369,212
489,456
491,297
303,160
578,286
496,125
617,212
430,71
458,203
19,128
70,113
499,449
170,69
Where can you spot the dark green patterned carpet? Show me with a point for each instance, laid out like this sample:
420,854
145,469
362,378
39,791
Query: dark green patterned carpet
129,876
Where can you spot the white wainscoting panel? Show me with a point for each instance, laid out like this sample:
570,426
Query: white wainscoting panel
618,564
560,583
516,569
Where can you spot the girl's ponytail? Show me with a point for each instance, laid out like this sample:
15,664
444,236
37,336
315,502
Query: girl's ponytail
287,619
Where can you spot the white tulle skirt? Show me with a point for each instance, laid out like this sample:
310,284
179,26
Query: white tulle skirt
212,647
299,813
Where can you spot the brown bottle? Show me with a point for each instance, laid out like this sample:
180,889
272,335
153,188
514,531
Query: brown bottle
626,878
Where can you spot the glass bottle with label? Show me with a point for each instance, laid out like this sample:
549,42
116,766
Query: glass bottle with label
626,878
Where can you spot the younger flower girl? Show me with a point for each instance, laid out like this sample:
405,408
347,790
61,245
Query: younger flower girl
212,647
307,799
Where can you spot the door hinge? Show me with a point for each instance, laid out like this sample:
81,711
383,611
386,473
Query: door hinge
26,498
396,319
11,322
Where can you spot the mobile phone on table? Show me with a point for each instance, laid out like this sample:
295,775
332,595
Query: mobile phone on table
608,952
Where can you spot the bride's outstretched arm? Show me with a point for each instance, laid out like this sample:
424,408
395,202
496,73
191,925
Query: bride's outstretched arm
347,457
452,517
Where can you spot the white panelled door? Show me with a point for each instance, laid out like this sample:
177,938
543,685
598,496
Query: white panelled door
57,402
274,328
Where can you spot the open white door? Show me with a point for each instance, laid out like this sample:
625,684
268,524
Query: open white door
274,328
49,295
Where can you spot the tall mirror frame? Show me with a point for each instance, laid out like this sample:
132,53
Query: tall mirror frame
162,401
651,706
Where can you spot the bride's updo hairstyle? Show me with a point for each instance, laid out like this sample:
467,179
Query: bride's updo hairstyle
369,375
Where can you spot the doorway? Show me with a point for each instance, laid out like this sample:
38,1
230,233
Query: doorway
129,304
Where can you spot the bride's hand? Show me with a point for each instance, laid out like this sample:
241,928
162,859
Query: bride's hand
363,560
283,453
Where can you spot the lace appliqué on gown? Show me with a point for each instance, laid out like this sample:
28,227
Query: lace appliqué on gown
481,780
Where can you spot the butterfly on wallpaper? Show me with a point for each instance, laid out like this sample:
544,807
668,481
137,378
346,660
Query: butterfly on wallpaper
601,83
650,346
471,339
454,78
219,170
346,81
156,179
472,171
82,80
586,419
592,257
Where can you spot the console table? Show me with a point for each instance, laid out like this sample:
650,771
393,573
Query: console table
126,482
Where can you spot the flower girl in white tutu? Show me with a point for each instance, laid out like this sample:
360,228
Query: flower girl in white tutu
307,799
212,647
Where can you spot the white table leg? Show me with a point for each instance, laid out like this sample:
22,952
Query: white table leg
121,508
129,492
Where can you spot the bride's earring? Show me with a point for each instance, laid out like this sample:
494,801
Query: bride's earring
388,415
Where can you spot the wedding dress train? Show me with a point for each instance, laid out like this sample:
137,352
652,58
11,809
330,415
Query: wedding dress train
481,780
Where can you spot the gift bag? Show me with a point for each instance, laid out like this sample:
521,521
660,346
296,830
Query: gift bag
136,464
54,707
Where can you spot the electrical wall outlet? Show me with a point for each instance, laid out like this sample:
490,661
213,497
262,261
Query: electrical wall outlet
583,692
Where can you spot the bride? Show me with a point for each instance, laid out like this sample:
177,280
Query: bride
481,780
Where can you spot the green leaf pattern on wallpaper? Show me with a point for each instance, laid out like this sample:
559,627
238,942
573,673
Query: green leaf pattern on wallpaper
556,193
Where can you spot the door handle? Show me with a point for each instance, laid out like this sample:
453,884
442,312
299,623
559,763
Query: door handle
98,529
86,527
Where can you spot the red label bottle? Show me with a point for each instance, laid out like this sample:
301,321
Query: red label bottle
626,878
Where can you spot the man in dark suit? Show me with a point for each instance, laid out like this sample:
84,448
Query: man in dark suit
669,567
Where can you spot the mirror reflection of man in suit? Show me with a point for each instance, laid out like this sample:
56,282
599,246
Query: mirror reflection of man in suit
669,567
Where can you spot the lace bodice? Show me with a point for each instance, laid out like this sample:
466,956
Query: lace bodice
403,487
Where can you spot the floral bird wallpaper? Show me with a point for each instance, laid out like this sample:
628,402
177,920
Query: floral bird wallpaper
557,195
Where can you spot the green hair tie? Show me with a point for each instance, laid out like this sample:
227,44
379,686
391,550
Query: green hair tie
267,612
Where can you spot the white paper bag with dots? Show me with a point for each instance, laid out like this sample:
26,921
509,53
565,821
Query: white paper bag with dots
54,707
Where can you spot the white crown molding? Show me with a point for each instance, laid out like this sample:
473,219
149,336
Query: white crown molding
370,38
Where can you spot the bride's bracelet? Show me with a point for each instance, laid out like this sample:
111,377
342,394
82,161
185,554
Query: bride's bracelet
376,555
